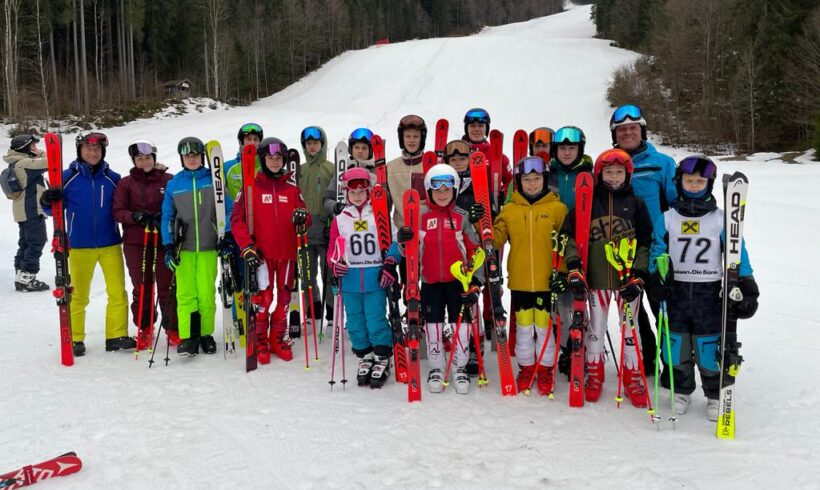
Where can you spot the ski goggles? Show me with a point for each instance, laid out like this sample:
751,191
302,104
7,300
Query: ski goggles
568,135
541,135
274,149
93,139
251,128
530,165
626,113
358,184
189,147
361,134
456,147
141,148
412,121
445,181
698,165
477,115
311,133
615,157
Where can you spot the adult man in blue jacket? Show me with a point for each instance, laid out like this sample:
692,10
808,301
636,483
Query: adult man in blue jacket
653,182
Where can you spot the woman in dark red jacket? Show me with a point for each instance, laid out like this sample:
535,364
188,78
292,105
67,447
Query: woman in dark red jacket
138,206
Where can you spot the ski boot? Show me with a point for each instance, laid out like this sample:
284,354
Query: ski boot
29,283
365,367
118,343
682,403
634,388
280,344
435,381
78,348
462,381
544,380
594,382
262,352
712,409
189,346
208,344
144,339
173,338
524,376
380,371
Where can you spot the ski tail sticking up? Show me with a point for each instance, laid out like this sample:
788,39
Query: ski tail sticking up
249,290
735,189
496,159
583,214
428,160
520,147
59,247
63,465
412,294
294,326
378,156
478,172
442,131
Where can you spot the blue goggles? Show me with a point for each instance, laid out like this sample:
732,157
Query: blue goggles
446,181
568,135
698,165
361,134
311,133
477,115
530,165
625,112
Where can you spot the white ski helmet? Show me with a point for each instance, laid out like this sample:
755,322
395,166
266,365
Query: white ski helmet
142,147
442,175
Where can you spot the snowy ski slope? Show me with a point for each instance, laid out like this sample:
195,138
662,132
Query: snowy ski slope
204,423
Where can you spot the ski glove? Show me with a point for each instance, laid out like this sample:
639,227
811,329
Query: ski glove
470,296
51,195
405,234
658,289
300,216
389,273
746,307
171,262
142,218
558,282
631,290
475,213
338,208
339,268
250,256
577,283
226,246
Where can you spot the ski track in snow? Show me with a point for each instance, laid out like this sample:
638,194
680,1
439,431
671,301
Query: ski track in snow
203,421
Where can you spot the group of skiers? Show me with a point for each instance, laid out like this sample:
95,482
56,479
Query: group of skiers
642,201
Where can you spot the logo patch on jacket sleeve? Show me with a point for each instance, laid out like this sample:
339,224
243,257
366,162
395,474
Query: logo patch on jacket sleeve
267,198
432,224
690,227
360,225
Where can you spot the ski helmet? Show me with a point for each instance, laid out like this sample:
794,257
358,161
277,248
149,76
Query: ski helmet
696,164
273,146
568,135
22,143
356,178
627,114
91,139
456,147
361,135
189,145
609,158
142,147
541,135
532,165
477,115
311,133
441,175
249,128
411,121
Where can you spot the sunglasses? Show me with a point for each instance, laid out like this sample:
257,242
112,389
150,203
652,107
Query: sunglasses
695,164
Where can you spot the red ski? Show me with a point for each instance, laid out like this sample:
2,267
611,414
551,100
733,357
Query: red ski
412,293
378,200
583,212
251,285
521,143
496,159
63,465
428,160
478,172
378,156
59,247
442,130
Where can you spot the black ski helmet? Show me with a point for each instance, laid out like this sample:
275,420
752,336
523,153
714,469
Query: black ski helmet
22,143
477,115
190,145
91,139
696,164
412,121
249,128
273,146
568,135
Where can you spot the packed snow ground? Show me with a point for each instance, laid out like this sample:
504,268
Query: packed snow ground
203,422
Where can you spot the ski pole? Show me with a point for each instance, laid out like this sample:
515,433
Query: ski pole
301,266
154,287
457,269
141,301
662,262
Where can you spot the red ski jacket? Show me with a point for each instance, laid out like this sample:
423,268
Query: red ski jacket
445,236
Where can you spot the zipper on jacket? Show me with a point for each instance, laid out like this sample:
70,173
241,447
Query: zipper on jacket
609,210
532,264
440,248
196,213
94,205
